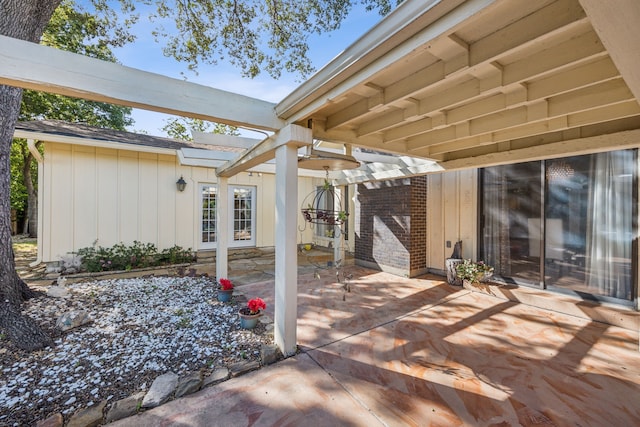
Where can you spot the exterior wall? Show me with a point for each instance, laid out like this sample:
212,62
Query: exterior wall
107,196
390,225
452,215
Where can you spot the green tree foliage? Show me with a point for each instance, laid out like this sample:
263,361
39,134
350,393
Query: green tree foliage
182,128
255,36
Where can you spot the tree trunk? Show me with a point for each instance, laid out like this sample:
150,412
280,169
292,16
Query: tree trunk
22,331
25,20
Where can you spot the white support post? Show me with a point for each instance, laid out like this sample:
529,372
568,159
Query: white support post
338,237
222,228
286,280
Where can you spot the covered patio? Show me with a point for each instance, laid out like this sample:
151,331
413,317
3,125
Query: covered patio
459,84
398,351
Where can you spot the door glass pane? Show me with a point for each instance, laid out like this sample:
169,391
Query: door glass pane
208,214
242,205
511,232
589,224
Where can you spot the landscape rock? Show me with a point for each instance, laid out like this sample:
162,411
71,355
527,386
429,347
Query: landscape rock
161,390
54,420
88,417
269,353
124,408
241,368
189,384
57,292
117,351
265,319
217,376
73,319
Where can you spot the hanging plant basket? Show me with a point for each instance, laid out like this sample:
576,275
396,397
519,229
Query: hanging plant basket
315,206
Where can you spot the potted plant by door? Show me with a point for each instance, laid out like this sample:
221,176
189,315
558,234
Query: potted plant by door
250,314
225,290
471,273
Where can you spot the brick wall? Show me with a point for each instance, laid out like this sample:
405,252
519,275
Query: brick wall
390,225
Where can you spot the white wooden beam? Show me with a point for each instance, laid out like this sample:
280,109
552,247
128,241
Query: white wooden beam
265,150
610,92
574,147
358,176
198,153
584,118
43,68
617,26
205,163
545,22
223,140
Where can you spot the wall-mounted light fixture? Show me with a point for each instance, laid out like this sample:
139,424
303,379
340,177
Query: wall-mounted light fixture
181,184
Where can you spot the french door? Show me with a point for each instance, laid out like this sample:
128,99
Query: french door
242,215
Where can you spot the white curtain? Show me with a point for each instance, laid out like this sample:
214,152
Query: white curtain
609,233
496,216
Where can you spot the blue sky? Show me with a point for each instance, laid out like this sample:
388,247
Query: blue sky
146,54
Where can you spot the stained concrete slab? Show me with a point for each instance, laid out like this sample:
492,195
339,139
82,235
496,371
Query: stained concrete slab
294,392
397,351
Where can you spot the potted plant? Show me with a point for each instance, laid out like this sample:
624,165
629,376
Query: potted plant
225,290
473,272
249,315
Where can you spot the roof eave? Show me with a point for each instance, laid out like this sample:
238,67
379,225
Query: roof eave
390,32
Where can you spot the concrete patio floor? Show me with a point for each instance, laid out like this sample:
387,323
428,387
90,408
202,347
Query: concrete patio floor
398,352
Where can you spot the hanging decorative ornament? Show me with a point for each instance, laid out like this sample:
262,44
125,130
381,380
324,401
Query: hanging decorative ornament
324,206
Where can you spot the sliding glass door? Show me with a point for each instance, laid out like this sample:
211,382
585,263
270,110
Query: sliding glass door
512,201
564,224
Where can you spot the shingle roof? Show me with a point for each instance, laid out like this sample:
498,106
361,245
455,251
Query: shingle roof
78,130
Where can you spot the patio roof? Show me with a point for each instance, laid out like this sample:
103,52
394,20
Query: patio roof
478,83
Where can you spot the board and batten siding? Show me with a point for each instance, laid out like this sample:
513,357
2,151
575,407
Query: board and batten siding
105,196
452,215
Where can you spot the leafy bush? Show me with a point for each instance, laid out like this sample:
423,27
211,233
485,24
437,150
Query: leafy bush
474,271
176,255
138,255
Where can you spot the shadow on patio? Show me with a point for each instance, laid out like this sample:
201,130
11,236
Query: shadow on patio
400,351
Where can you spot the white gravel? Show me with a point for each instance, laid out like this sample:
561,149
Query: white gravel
141,328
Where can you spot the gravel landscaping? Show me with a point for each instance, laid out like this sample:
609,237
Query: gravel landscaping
141,328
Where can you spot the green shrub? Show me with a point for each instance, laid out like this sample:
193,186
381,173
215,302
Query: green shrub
138,255
176,255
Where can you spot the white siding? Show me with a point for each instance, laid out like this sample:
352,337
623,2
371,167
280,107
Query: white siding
452,206
110,196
